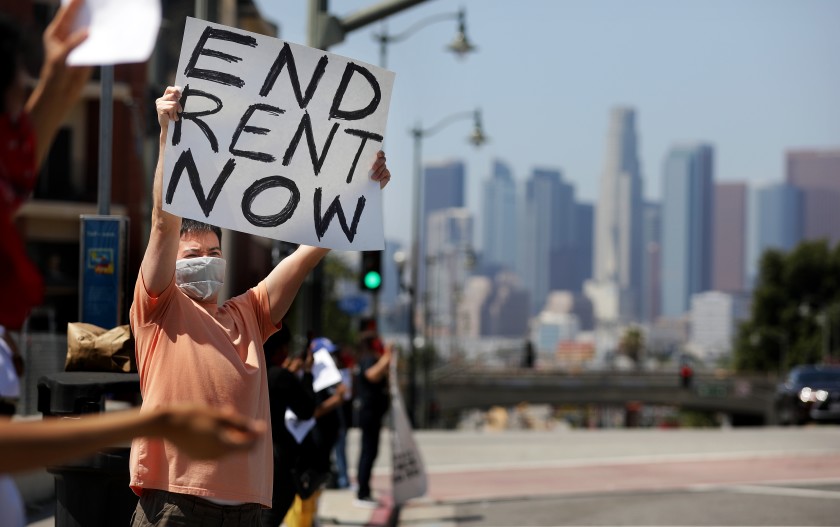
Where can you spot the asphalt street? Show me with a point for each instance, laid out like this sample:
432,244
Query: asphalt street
732,477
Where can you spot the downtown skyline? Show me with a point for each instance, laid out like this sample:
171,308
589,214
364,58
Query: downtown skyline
753,78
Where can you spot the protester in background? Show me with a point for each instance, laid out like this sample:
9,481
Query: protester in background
345,361
318,445
374,400
686,374
289,387
217,357
27,128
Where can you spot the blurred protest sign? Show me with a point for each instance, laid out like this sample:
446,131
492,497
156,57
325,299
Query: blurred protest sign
119,32
276,139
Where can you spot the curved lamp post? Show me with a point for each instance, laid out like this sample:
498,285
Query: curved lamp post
460,45
476,138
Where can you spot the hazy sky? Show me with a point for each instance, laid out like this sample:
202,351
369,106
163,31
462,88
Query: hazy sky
752,77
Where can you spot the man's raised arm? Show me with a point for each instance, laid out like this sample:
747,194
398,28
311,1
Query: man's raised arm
158,265
285,279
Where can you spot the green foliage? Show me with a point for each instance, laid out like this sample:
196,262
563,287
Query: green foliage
338,325
797,294
632,343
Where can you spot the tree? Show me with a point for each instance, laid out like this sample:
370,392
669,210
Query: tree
797,294
632,344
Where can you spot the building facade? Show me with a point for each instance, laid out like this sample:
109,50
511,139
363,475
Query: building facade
730,237
816,173
687,212
618,225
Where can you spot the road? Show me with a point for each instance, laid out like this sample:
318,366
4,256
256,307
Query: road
738,477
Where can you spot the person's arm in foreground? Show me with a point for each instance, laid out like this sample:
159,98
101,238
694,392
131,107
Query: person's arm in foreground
59,85
201,432
285,279
158,266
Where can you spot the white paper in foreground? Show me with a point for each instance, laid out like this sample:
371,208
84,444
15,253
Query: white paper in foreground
119,32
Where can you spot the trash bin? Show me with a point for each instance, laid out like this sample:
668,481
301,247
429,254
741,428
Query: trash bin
90,492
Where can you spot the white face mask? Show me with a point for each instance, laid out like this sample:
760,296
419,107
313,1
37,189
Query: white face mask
200,278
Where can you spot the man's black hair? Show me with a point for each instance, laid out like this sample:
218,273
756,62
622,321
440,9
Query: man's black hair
188,225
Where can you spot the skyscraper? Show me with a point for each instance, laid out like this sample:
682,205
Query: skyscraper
548,235
687,209
775,222
584,239
499,214
730,237
817,174
443,187
651,262
615,287
450,254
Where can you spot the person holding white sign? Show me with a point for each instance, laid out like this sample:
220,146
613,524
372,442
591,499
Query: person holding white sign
190,348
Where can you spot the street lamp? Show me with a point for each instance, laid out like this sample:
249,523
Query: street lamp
476,138
460,45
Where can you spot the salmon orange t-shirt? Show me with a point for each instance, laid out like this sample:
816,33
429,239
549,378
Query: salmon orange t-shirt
189,351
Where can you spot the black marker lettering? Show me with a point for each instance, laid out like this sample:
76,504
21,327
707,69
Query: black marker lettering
306,126
365,136
266,183
186,161
243,127
194,116
354,115
285,58
322,223
212,75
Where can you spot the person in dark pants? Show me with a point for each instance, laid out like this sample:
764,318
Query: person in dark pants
374,399
289,386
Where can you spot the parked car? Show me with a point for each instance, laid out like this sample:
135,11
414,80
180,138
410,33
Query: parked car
810,393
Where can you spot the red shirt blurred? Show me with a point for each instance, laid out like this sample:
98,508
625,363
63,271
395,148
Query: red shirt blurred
20,280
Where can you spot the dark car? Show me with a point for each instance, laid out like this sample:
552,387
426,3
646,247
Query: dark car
809,393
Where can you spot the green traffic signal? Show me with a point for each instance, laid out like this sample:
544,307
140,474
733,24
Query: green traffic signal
370,275
373,280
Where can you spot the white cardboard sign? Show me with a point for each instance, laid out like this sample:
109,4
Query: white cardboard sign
276,139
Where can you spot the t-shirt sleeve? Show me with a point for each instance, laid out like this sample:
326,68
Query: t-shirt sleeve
258,296
146,309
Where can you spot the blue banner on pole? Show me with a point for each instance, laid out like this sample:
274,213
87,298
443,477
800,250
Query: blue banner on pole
102,270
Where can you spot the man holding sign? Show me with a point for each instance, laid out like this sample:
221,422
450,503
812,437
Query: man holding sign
191,349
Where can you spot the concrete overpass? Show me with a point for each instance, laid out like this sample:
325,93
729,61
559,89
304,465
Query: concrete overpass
747,399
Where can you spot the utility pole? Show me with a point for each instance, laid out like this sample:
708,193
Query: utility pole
323,31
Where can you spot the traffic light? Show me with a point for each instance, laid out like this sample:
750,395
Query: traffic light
370,279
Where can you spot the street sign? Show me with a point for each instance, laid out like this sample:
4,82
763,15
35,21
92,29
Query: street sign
353,305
